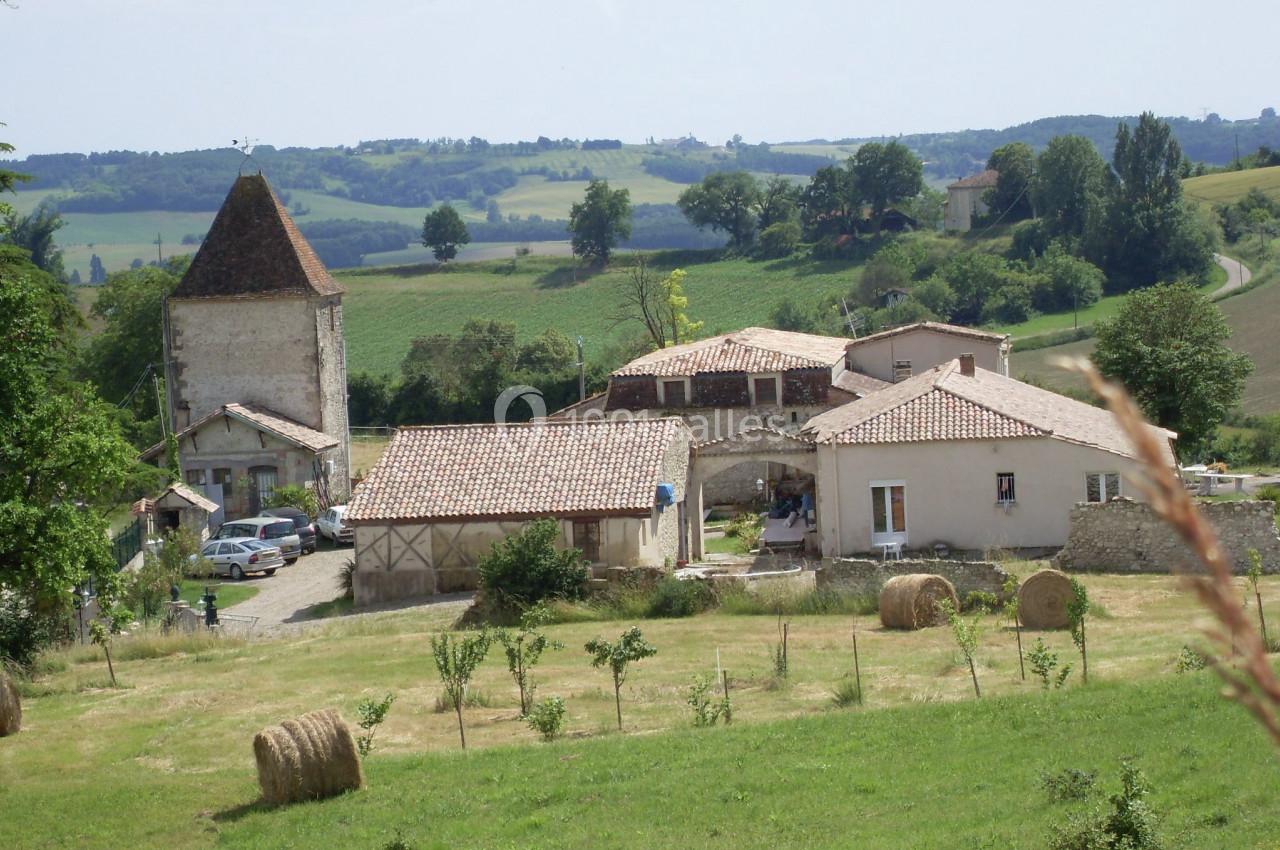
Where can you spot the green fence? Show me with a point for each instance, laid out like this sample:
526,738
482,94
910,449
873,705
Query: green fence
127,544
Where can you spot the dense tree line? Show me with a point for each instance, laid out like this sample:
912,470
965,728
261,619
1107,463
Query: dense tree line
1212,140
682,168
342,243
448,378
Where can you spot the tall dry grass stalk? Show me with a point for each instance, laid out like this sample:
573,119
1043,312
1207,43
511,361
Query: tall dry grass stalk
1251,681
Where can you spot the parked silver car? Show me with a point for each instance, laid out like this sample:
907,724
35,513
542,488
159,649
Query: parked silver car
237,556
270,529
330,525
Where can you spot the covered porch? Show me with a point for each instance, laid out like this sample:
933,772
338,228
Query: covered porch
760,447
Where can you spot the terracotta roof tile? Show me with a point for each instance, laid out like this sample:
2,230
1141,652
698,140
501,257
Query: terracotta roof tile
524,470
935,327
747,350
188,494
943,404
261,418
858,384
253,250
981,180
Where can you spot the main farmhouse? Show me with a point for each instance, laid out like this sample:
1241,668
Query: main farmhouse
915,438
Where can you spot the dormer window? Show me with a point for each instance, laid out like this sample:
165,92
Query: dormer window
674,392
765,389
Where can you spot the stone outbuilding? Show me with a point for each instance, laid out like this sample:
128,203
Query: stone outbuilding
440,497
254,349
181,507
239,453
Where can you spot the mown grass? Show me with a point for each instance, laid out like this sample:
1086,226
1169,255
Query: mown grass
385,309
228,593
165,760
1231,186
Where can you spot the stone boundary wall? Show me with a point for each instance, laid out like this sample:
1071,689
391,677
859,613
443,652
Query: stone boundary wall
1126,536
867,576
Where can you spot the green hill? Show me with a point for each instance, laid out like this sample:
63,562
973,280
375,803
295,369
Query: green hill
1231,186
386,308
1252,315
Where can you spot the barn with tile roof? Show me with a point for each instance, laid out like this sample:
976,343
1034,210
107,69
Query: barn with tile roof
441,496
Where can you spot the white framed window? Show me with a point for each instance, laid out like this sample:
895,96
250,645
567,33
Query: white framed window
674,392
888,512
196,477
1005,492
765,388
1101,486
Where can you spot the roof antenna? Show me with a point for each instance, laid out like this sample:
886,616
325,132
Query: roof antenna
246,146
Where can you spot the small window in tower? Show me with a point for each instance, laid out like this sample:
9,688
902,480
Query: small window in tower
333,320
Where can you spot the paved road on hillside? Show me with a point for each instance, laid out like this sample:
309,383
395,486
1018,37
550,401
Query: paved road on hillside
1238,274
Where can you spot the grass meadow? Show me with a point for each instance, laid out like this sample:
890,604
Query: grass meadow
385,309
1231,186
165,760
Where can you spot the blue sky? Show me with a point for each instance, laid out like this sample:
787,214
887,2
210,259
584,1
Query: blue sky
178,74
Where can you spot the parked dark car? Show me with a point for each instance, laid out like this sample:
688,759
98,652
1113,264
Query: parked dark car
305,527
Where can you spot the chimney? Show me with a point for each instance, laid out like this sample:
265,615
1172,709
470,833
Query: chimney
966,365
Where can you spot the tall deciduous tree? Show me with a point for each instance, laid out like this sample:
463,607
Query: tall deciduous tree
443,231
1010,198
1067,188
601,219
1168,347
777,203
830,205
35,234
885,175
1151,234
61,461
724,200
659,304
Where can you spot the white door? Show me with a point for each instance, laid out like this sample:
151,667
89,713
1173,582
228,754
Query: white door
888,512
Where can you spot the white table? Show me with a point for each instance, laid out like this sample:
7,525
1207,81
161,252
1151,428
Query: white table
1209,479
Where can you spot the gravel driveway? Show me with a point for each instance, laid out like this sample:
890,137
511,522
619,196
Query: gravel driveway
284,597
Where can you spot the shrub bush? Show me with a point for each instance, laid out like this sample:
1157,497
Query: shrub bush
547,718
1067,784
527,568
673,597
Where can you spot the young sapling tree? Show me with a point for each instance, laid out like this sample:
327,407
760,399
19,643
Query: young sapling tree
1010,591
1044,662
1254,575
1077,611
617,656
523,650
371,713
102,631
456,659
857,668
966,632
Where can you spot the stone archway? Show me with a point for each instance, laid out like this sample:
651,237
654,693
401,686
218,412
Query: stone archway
754,445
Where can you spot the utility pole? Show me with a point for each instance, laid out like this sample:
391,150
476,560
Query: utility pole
155,379
582,373
159,255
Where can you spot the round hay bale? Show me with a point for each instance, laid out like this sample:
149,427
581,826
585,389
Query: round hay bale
1042,600
911,601
10,707
307,758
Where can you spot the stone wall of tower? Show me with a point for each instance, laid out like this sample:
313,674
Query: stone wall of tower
282,352
332,374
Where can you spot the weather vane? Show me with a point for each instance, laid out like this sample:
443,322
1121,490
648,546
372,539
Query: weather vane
245,146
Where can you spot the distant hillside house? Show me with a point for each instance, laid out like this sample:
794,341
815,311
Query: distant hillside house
898,353
964,200
441,496
255,361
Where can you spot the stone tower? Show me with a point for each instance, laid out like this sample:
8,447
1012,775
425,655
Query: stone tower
257,320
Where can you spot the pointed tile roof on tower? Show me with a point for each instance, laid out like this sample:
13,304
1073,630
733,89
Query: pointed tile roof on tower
254,249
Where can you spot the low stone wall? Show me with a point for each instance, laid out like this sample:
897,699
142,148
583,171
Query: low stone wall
1126,536
867,576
